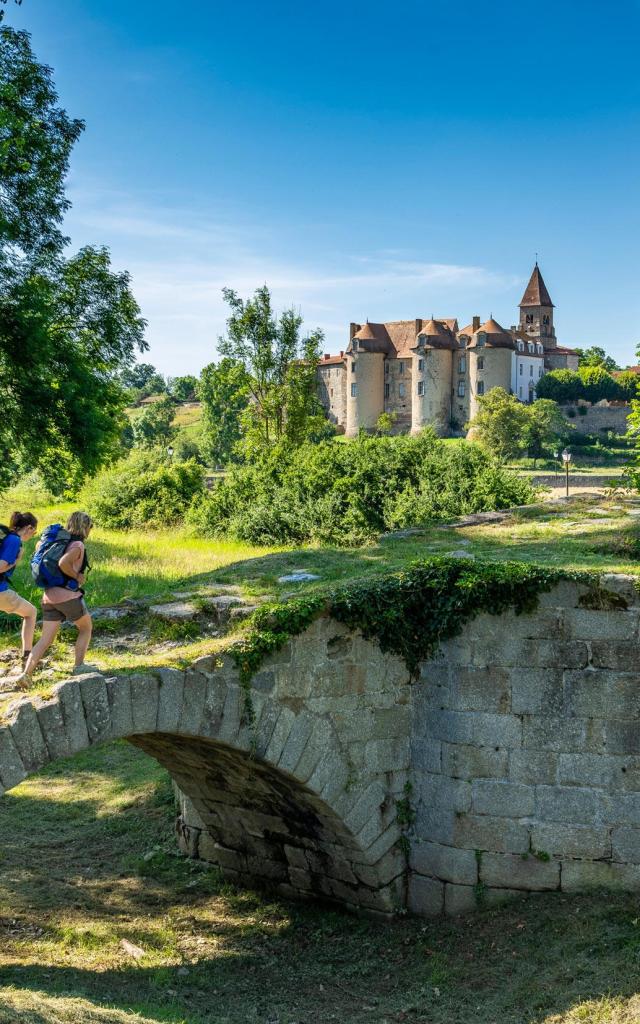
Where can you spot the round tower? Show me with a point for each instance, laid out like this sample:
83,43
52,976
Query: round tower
490,354
432,377
365,381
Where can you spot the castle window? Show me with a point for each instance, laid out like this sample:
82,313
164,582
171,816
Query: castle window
461,389
421,364
401,368
462,364
353,366
521,369
480,387
529,318
386,391
521,346
531,347
386,367
531,371
520,392
401,390
480,363
545,318
354,390
421,387
540,348
354,345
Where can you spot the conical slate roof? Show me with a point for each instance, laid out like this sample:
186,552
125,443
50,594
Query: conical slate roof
536,293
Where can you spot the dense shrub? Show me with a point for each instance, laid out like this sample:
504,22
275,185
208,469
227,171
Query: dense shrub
591,383
345,493
145,489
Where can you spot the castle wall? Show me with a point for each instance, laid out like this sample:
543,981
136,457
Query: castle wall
332,392
365,376
597,418
400,381
492,367
434,407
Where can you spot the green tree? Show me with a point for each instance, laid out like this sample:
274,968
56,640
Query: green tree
561,386
598,384
596,356
280,367
67,326
64,336
224,390
183,389
545,427
501,424
143,379
154,427
385,423
628,382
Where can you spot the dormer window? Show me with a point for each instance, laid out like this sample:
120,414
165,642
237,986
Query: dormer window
521,346
422,339
531,348
481,339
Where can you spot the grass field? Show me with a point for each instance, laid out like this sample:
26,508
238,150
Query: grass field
88,860
597,532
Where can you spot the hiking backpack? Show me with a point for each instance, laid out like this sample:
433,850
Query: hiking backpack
45,567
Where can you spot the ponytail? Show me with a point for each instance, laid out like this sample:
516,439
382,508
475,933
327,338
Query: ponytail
19,520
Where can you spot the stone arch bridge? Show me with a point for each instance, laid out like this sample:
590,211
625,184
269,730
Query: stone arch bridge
512,765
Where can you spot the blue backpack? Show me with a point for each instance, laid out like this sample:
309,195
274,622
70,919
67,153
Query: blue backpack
45,567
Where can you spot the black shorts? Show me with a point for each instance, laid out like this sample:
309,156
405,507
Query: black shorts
65,611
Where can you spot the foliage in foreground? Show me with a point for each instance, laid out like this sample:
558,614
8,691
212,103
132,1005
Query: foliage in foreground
347,493
145,489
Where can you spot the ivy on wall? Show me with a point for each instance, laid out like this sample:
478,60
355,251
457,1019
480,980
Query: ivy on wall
408,613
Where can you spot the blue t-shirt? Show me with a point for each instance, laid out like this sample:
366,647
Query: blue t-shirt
9,551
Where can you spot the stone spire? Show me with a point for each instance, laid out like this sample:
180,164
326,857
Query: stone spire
536,293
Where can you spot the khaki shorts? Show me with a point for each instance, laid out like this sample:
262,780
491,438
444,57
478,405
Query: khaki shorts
13,604
70,611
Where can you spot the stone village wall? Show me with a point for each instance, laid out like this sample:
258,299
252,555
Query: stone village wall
520,743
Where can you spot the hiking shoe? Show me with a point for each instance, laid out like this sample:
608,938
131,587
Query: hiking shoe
84,669
21,682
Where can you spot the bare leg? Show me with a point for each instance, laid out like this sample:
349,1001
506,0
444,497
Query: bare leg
49,633
28,629
85,626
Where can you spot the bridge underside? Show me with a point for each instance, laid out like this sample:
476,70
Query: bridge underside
261,826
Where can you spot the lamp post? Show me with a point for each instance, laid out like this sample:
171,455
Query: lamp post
566,458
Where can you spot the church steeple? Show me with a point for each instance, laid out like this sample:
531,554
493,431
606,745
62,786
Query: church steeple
536,293
536,311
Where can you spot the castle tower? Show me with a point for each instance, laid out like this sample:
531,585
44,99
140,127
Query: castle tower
432,376
365,380
490,353
536,311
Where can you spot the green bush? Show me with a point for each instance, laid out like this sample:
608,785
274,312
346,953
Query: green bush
347,493
145,489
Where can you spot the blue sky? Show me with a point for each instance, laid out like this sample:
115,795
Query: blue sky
364,160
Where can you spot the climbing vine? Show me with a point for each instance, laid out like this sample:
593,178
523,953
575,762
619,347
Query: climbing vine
408,613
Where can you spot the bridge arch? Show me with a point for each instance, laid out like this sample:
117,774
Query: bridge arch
281,801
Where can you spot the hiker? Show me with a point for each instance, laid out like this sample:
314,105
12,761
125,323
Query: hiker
60,565
21,528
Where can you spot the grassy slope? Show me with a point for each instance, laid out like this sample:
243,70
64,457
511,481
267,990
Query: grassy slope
591,533
88,860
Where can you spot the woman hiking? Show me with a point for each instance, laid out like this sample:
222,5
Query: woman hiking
66,603
22,527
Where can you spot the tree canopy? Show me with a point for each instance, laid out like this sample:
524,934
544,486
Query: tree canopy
68,326
596,356
508,427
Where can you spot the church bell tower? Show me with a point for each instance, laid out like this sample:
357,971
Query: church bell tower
536,311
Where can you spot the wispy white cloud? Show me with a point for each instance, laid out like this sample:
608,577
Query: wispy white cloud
181,260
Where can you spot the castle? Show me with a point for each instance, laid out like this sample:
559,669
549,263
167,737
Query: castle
431,373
